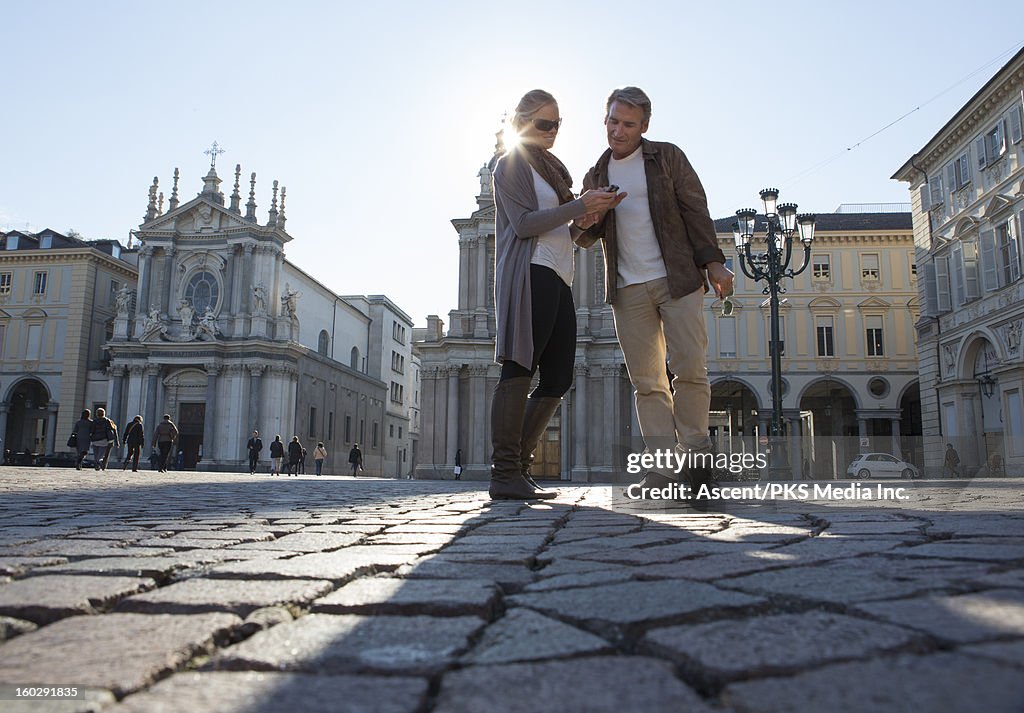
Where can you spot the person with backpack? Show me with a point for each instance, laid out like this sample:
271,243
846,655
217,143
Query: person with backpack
294,456
319,455
80,437
135,439
276,455
102,437
164,437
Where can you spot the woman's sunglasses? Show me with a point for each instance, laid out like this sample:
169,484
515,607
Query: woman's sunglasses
547,124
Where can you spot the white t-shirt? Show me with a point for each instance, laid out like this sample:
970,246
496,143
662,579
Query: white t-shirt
639,253
554,248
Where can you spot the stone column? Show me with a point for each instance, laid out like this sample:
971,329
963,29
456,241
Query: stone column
475,451
165,291
4,409
255,395
211,416
145,281
465,298
610,375
152,378
452,434
897,447
51,426
580,461
116,396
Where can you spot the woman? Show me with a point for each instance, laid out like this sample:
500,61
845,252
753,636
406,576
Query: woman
536,317
83,436
319,455
276,454
103,437
135,439
294,456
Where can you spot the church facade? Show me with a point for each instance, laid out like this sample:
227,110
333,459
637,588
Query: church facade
227,336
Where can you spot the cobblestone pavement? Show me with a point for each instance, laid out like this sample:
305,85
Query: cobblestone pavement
205,592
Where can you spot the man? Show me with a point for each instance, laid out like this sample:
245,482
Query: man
660,251
255,445
164,436
355,459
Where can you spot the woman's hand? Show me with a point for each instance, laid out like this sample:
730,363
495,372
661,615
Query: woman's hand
587,221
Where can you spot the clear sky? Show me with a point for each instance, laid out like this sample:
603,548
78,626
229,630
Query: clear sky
377,116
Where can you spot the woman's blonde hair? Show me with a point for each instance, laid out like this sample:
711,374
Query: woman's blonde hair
532,102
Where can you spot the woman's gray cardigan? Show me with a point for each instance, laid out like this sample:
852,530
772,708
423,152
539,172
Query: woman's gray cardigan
517,224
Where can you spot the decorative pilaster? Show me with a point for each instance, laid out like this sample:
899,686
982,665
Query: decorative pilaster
452,434
116,395
5,408
165,291
476,452
51,426
580,430
152,382
255,396
209,434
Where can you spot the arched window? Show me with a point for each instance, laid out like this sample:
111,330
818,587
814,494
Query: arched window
203,291
354,359
324,343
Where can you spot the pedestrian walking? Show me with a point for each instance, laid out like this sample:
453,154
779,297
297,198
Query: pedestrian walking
154,459
276,455
355,458
103,438
82,434
319,455
164,436
302,462
294,456
951,465
458,464
661,252
534,309
254,446
135,440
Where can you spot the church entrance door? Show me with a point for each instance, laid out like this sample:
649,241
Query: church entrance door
190,439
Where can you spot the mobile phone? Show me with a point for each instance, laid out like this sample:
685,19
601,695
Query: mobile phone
612,189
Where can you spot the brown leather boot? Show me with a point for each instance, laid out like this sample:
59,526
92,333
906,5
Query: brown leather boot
538,414
507,410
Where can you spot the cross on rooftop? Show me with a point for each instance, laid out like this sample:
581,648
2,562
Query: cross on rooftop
212,153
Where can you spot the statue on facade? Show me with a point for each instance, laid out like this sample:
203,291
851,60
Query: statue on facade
289,302
1013,334
124,301
153,327
187,313
207,327
259,299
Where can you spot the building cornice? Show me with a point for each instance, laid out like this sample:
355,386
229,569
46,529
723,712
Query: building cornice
65,256
966,122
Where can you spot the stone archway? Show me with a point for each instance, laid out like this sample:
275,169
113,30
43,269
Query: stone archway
185,393
28,422
733,421
828,411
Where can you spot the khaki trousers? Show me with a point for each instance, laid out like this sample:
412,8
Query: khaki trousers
649,323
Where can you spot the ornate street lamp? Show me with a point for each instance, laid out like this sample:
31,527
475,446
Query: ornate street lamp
771,266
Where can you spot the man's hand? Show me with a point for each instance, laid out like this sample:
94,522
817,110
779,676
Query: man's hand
720,277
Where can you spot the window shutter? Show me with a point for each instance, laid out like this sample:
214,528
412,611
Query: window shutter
989,266
931,303
979,148
970,253
956,279
923,195
942,284
935,185
964,167
951,176
1014,252
1015,124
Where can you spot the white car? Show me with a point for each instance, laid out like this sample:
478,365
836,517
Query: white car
880,465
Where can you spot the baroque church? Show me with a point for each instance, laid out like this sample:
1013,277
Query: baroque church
227,336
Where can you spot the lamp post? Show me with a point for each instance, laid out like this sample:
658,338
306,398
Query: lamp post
771,266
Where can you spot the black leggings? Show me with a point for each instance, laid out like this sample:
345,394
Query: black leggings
554,335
